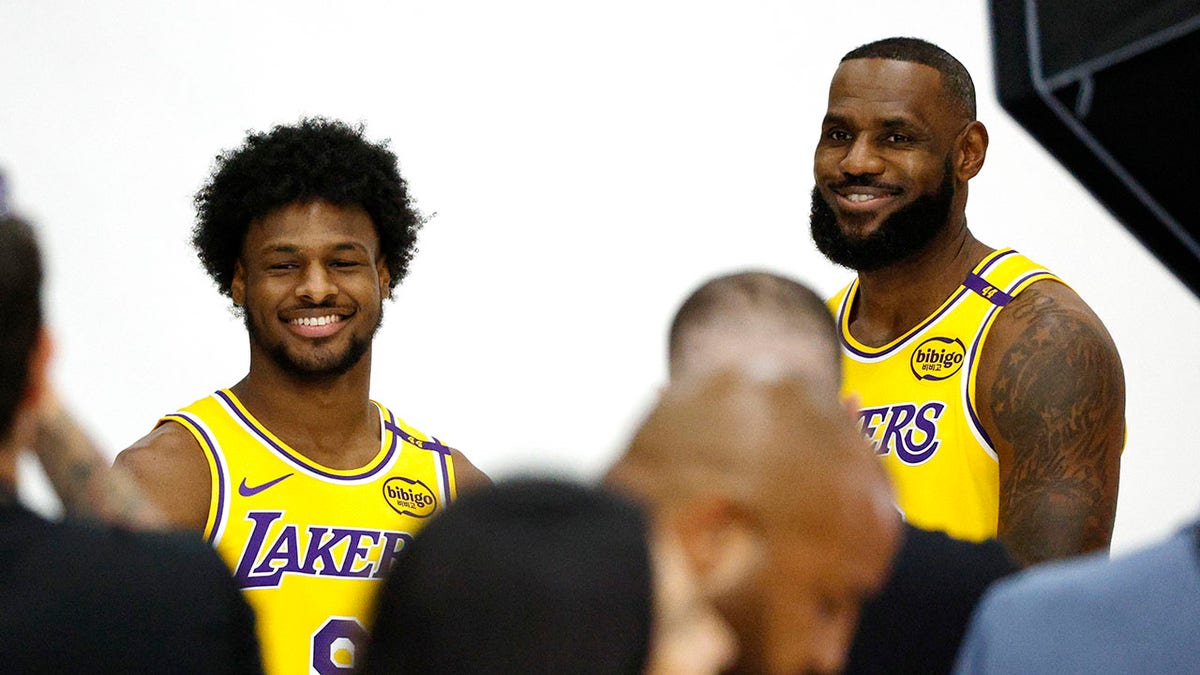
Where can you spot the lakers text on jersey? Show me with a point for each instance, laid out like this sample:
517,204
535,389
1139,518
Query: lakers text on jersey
308,544
917,397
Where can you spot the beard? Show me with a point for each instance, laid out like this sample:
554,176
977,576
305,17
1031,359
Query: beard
319,367
899,237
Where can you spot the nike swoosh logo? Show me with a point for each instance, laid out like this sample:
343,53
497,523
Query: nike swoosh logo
247,491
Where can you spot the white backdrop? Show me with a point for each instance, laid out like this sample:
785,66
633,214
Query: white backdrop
588,164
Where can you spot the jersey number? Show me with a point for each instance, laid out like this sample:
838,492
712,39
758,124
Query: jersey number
336,644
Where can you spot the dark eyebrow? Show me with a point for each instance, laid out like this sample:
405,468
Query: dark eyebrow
281,248
292,249
832,118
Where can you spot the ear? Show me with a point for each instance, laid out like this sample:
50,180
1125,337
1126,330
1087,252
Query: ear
237,287
724,543
972,149
385,277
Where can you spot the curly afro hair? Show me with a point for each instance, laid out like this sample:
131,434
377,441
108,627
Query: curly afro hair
315,159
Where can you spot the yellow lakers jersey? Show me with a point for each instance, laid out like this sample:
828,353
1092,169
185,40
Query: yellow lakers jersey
308,544
918,400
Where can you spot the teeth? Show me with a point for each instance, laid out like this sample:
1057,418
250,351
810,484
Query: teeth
857,197
316,320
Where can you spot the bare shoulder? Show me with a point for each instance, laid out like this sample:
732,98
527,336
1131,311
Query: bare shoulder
1050,306
1051,395
1048,347
170,467
467,476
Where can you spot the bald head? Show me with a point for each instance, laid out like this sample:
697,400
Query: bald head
782,505
751,437
755,321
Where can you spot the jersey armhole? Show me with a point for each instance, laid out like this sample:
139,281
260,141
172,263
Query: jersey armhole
445,470
218,501
970,381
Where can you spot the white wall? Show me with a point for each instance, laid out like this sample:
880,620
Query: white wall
588,164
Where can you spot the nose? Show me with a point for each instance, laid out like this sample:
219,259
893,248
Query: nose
316,285
861,159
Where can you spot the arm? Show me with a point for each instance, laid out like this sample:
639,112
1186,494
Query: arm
466,476
89,488
1051,395
170,468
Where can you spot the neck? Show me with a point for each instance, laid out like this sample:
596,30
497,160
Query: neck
330,421
894,299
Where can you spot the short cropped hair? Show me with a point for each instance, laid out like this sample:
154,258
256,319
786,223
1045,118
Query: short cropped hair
529,576
766,295
315,159
20,312
955,79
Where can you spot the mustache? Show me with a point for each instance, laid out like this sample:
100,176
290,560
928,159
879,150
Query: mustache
864,181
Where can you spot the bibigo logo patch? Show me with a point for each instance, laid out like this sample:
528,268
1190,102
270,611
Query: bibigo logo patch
938,358
409,497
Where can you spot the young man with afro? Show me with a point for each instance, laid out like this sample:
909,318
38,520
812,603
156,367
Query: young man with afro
305,486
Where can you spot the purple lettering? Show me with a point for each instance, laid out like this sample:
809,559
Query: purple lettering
262,523
355,550
868,418
902,414
393,543
909,450
286,549
320,547
328,551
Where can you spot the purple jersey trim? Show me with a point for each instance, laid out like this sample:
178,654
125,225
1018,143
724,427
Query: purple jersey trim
212,450
987,291
946,307
445,470
988,264
288,454
432,444
912,333
987,320
975,344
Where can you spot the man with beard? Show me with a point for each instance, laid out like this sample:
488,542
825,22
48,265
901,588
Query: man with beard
991,391
306,487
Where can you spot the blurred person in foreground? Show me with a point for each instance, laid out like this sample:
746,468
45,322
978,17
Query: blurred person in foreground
783,513
544,576
916,623
1136,613
87,594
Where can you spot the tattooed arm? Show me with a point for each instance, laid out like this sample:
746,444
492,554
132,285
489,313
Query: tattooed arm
88,487
1051,395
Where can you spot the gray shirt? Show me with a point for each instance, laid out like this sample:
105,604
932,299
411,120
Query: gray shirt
1138,613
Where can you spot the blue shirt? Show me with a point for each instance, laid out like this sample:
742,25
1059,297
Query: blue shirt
1139,613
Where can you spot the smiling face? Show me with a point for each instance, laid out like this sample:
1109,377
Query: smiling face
887,167
311,282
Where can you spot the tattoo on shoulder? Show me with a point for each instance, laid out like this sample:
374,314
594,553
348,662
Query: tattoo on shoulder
1055,400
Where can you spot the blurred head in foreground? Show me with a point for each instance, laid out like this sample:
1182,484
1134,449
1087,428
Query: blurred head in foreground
742,320
542,576
784,513
24,346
